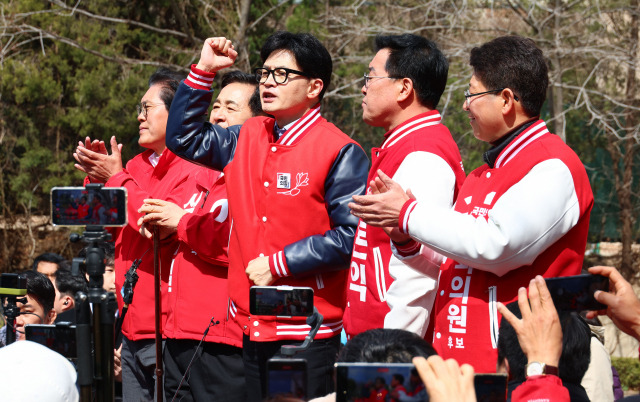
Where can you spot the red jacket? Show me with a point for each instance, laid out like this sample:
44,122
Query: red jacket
143,181
197,288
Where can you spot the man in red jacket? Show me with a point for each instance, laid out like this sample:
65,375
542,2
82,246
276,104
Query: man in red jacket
155,173
197,296
524,213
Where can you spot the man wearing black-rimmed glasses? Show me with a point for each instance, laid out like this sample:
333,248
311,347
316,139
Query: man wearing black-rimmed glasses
525,212
402,88
289,179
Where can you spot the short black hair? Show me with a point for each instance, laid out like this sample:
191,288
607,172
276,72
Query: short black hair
517,63
52,258
69,284
385,345
576,347
239,77
399,377
169,80
311,55
420,60
40,288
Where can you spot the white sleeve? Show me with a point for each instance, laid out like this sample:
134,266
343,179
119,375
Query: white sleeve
411,295
529,217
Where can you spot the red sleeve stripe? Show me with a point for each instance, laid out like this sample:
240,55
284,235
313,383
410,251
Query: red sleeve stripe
405,213
278,264
199,79
409,249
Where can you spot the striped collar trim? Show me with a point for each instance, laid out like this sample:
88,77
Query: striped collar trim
423,120
300,127
535,131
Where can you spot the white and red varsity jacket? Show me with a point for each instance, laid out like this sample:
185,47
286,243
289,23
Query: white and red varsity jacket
197,285
525,214
420,155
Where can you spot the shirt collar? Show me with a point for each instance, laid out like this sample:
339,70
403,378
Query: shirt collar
154,158
499,145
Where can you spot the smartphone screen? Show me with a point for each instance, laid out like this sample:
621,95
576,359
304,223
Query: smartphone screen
77,206
575,293
281,301
490,387
287,378
59,338
378,381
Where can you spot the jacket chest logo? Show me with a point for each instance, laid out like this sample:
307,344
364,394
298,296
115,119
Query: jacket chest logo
284,182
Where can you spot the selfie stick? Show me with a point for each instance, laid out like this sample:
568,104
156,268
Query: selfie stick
96,325
156,282
315,321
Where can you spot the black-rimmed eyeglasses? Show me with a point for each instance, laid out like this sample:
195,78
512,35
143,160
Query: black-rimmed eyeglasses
468,94
280,74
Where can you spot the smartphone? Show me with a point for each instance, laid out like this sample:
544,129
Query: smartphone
377,381
59,338
79,206
281,301
575,293
490,387
287,378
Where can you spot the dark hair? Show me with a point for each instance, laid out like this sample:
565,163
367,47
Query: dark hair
52,258
399,377
68,284
420,60
385,345
513,62
169,80
40,288
311,56
576,347
240,77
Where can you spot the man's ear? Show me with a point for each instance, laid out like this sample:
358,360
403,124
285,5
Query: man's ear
315,87
50,317
509,101
406,89
68,303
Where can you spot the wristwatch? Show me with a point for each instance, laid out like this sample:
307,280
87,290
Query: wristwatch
538,368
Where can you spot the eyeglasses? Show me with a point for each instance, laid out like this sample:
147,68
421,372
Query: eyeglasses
367,79
468,95
144,108
280,74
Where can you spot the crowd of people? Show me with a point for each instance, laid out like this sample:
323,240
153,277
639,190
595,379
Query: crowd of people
414,259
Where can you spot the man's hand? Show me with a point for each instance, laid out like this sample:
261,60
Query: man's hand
539,331
259,273
162,213
117,364
446,381
217,53
623,306
382,207
93,159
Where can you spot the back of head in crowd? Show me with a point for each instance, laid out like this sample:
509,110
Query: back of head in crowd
239,77
41,289
169,80
385,345
417,58
49,263
310,55
576,347
67,285
517,63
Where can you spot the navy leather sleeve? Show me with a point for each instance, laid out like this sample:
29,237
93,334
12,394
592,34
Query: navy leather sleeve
192,137
332,250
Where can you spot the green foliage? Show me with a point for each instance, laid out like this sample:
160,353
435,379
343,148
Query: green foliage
629,371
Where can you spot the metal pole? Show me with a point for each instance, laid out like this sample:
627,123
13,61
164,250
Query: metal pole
158,305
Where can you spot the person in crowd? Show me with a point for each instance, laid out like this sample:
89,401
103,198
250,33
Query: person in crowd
33,372
200,265
35,308
155,173
402,88
573,363
525,212
66,286
289,178
598,380
49,263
